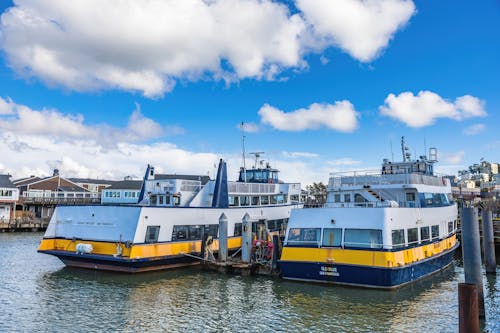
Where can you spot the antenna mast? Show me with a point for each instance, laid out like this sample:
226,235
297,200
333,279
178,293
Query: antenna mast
243,150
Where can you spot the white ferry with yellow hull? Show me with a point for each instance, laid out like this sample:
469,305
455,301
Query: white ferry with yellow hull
166,228
376,230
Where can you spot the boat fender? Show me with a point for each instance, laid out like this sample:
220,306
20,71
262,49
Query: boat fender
82,248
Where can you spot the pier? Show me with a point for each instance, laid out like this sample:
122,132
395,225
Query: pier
24,224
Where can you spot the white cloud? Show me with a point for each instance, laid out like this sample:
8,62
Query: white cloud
6,106
147,46
474,129
361,28
299,154
345,161
340,116
248,127
452,157
424,108
51,123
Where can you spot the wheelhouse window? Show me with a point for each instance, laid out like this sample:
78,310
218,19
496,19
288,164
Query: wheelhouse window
424,234
435,232
152,233
364,238
332,237
304,236
412,236
398,238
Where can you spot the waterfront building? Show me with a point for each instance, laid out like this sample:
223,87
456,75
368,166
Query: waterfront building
9,195
122,192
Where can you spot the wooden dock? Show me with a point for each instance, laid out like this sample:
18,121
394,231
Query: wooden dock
24,224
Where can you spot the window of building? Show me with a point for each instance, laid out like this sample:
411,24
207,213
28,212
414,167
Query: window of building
152,233
398,238
412,236
304,236
332,237
424,234
364,238
435,232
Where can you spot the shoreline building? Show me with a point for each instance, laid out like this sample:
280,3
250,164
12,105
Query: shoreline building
9,195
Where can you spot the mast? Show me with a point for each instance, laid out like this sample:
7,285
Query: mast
243,150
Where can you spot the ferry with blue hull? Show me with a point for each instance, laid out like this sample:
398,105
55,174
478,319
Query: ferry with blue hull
173,214
376,230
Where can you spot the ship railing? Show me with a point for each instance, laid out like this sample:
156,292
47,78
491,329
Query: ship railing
369,178
373,204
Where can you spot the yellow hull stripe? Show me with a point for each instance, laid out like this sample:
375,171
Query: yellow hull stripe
135,251
366,257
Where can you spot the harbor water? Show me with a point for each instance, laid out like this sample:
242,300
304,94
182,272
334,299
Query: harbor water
39,294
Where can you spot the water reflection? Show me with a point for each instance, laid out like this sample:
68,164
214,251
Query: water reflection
40,294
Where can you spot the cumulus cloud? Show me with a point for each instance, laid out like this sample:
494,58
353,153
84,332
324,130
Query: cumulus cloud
248,127
340,116
147,46
345,161
474,129
23,120
424,108
452,157
360,28
299,154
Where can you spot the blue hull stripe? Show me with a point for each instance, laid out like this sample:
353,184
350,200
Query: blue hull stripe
366,276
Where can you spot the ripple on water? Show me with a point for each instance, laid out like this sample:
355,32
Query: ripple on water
38,294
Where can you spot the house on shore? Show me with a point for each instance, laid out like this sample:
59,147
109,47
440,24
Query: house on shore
122,192
9,195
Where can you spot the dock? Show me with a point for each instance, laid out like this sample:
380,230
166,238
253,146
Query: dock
23,225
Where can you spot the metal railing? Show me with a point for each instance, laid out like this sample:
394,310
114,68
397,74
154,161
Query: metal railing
362,178
54,197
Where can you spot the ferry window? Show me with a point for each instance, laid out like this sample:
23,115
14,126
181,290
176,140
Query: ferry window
195,232
212,230
167,199
152,233
424,234
435,232
264,200
273,199
281,224
332,237
161,199
398,238
237,229
294,198
233,201
455,225
358,198
255,201
450,227
244,201
347,197
180,232
365,238
444,199
337,197
152,199
272,225
436,197
303,236
177,201
280,198
412,236
410,196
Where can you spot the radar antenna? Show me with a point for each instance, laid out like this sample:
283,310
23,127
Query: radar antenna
257,156
405,150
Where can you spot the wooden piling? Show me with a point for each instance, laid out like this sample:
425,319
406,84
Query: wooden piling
468,307
488,242
471,252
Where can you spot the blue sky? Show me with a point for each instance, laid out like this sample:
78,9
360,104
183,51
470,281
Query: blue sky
101,88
